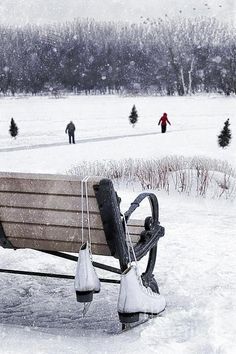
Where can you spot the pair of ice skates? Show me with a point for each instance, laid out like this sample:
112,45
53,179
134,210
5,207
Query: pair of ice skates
134,298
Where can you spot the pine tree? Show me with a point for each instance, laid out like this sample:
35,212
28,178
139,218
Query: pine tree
225,135
133,117
13,129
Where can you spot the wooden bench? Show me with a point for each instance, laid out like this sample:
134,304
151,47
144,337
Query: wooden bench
45,213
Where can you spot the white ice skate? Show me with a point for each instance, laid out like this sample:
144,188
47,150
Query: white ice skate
86,279
135,298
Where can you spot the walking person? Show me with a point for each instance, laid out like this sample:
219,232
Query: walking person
163,121
70,129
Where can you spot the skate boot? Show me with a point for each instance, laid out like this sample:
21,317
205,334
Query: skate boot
135,298
86,279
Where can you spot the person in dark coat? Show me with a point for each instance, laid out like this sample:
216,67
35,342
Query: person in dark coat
70,129
163,121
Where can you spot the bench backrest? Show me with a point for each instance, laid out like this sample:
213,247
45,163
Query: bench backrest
43,212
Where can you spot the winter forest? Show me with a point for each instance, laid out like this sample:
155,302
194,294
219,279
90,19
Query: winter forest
165,57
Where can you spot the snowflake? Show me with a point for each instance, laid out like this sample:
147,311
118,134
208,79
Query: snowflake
91,59
217,59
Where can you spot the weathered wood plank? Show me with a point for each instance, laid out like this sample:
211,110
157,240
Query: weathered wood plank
53,217
56,233
45,176
45,184
49,217
73,247
42,201
136,222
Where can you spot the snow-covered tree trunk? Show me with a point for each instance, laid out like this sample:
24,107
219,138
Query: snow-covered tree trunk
182,80
190,77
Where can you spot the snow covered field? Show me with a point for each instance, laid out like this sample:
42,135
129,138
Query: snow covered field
196,258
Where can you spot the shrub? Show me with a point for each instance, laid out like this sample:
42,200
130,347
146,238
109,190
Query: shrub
133,117
13,129
225,136
193,176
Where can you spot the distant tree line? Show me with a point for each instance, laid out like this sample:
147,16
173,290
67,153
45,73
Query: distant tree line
166,57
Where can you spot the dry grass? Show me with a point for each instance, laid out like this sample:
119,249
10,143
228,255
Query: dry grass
194,176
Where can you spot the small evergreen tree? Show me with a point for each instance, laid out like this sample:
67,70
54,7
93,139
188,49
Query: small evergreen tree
225,135
13,129
133,117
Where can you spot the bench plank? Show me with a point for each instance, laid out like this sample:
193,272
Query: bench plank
51,233
63,246
46,201
49,217
45,184
59,233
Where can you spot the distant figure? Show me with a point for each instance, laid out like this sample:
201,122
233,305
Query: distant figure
163,120
70,129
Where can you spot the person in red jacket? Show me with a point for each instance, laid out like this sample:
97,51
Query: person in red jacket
163,121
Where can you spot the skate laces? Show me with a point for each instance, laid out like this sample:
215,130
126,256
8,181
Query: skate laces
143,288
130,246
85,182
129,243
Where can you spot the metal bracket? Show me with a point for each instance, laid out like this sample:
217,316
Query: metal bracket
75,259
65,276
52,275
153,230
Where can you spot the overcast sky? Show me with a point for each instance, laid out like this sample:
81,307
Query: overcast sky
49,11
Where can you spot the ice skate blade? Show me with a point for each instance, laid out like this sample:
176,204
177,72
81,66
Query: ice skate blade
128,326
129,317
85,296
134,316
